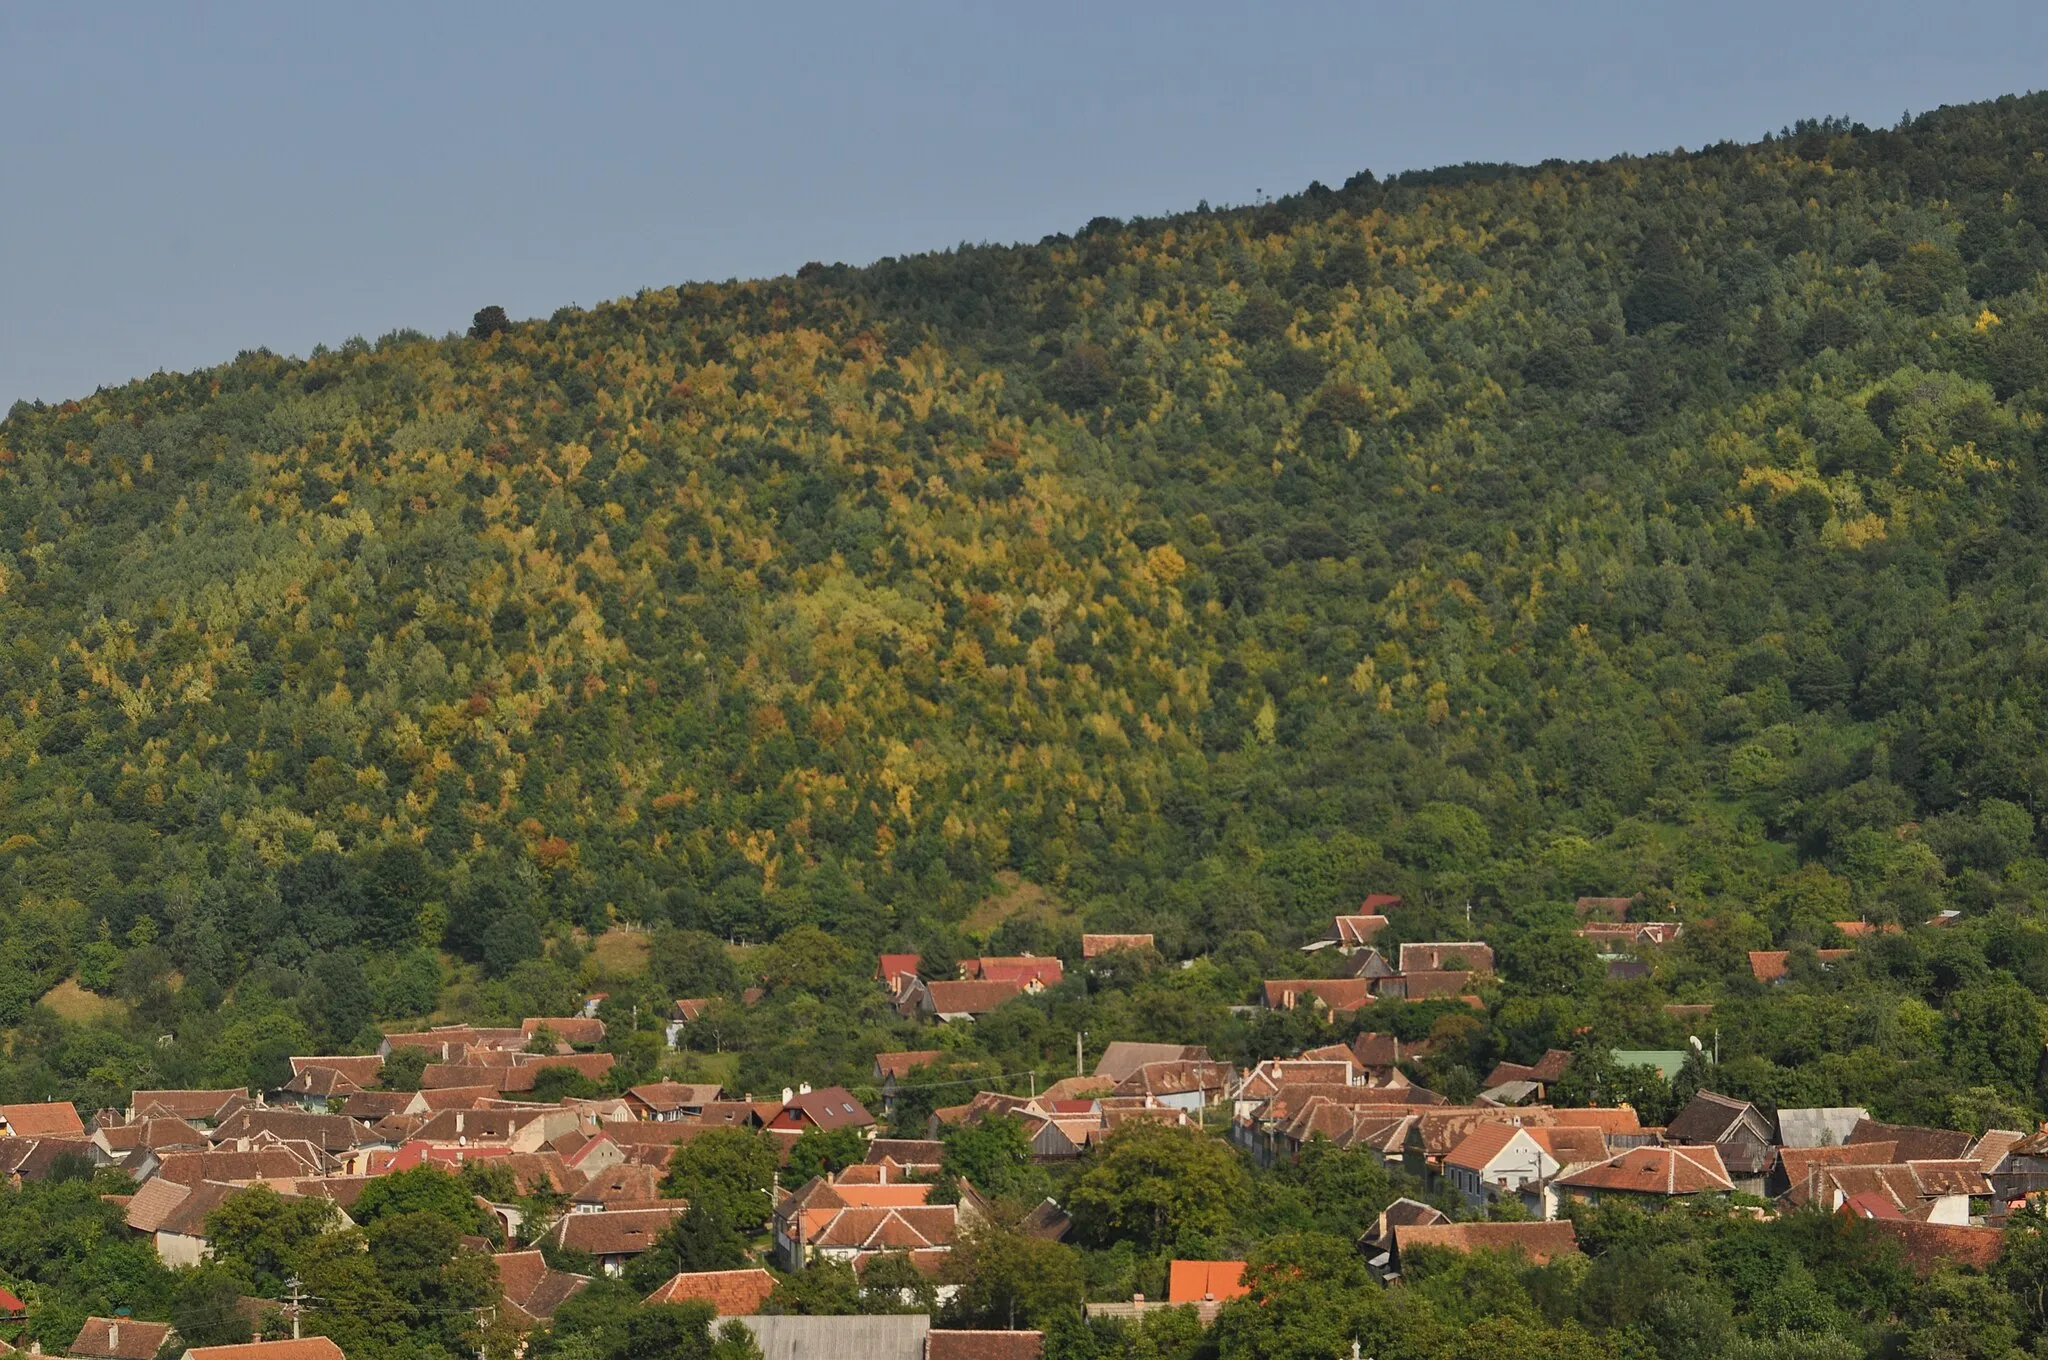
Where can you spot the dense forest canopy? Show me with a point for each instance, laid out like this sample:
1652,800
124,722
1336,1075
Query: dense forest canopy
1490,536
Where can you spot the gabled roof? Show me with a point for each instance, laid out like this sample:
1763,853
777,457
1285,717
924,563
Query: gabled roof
531,1287
1818,1126
663,1096
154,1134
907,1151
967,1345
1655,1171
1991,1149
1439,956
903,1062
360,1068
43,1119
309,1348
1379,902
829,1107
578,1031
1194,1281
1709,1118
892,966
1929,1246
1339,994
734,1293
615,1232
1772,965
328,1132
1477,1149
1356,930
1384,1050
207,1105
1540,1242
970,998
121,1338
1014,968
1913,1142
1179,1077
1121,1057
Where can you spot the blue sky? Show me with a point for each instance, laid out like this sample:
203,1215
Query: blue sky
181,182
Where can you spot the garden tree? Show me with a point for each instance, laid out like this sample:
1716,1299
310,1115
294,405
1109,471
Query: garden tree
71,1245
263,1238
690,963
402,1286
425,1189
1161,1186
554,1082
1008,1278
1307,1294
1551,961
808,959
402,1068
820,1289
206,1308
735,1341
821,1152
730,1172
700,1238
951,1079
993,1154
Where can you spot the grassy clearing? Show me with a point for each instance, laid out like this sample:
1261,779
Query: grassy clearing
73,1003
1015,897
621,953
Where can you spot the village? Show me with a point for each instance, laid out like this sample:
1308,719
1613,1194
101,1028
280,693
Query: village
1502,1172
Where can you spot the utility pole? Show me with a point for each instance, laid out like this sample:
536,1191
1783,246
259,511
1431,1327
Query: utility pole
294,1303
1079,1061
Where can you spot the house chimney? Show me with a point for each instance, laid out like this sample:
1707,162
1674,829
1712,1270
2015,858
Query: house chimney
114,1336
458,1121
787,1095
803,1088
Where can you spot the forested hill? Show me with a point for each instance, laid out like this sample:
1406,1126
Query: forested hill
1490,535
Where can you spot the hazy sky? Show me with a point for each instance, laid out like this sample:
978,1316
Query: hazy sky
178,182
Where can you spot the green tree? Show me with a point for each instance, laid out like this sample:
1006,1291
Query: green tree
1009,1279
821,1152
730,1172
1159,1186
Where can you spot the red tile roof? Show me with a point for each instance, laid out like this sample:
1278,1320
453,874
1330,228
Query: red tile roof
964,1345
901,1064
734,1293
892,966
615,1232
1194,1281
121,1338
310,1348
1095,946
1931,1245
970,998
1655,1171
1014,968
1339,994
531,1287
43,1119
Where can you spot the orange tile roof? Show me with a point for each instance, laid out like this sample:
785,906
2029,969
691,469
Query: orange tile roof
734,1293
43,1119
1194,1281
1655,1171
310,1348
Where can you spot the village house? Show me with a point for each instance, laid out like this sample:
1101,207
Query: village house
119,1338
1737,1130
615,1236
308,1348
733,1293
1447,956
1647,1175
669,1102
42,1119
530,1290
826,1109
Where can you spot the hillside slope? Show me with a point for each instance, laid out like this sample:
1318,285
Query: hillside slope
1490,535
